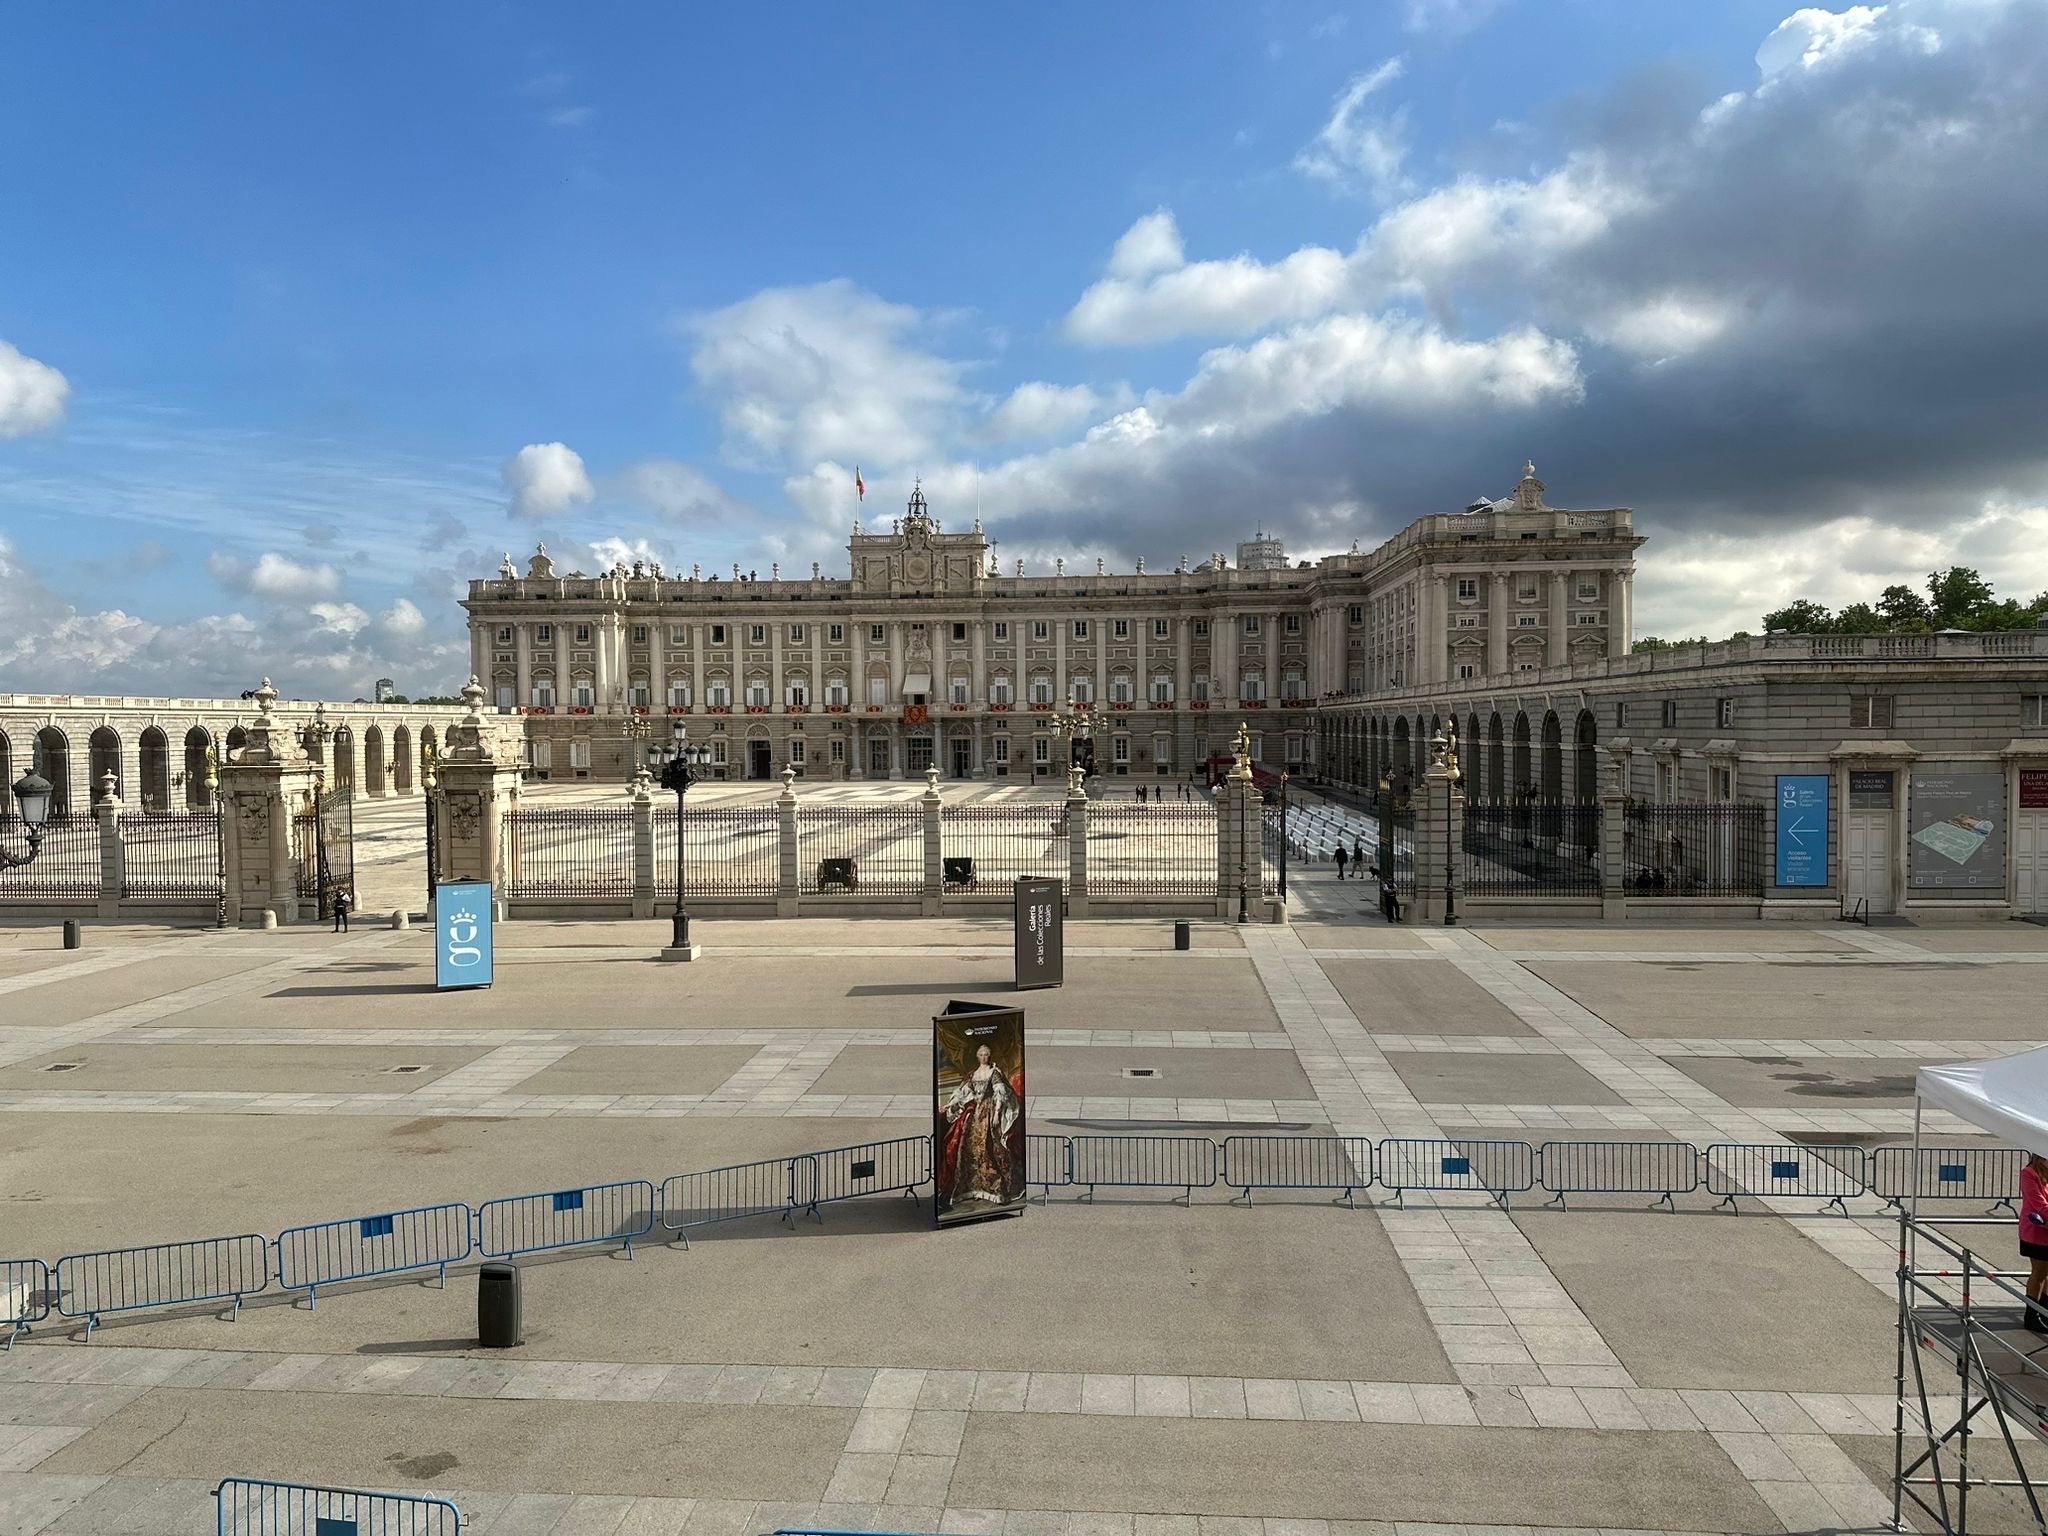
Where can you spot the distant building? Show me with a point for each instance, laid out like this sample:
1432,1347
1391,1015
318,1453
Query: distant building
384,689
1262,554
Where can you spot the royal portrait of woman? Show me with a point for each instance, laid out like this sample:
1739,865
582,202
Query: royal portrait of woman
981,1163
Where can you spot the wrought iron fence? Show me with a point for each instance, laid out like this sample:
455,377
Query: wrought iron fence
1152,850
728,850
306,853
573,852
870,849
1530,849
170,857
988,846
67,868
1397,827
1694,850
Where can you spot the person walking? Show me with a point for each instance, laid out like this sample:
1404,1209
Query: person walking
1342,857
1358,852
341,905
2034,1237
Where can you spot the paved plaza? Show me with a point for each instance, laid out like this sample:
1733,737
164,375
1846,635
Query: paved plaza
1128,1365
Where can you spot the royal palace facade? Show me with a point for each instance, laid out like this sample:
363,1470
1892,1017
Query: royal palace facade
928,655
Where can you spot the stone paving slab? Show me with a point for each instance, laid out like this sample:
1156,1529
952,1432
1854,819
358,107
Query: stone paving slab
121,1066
1422,996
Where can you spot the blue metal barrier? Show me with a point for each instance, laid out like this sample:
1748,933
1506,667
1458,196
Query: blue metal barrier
1298,1162
90,1285
869,1168
726,1194
1748,1168
1494,1168
1186,1163
1660,1168
248,1506
358,1247
1048,1160
1947,1173
24,1296
566,1218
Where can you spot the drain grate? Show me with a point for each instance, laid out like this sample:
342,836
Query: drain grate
404,1071
64,1066
1141,1071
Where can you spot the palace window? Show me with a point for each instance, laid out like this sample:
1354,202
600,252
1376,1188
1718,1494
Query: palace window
1620,715
679,694
1870,712
1041,690
1468,589
1724,712
639,634
642,697
1040,629
1199,688
1120,689
1525,621
504,634
1162,688
718,752
1251,623
583,634
718,634
1291,686
1252,687
837,749
1120,629
1589,589
1080,629
1201,629
796,634
1000,746
796,691
579,752
1670,713
757,692
1525,589
959,631
1160,629
1293,624
544,692
719,693
796,750
1002,630
999,690
1081,689
1467,669
1589,620
2034,709
836,633
757,634
1041,750
678,635
585,699
544,633
959,690
876,634
1355,614
835,691
1120,749
878,690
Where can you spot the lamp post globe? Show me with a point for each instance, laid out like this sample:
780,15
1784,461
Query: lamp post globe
32,793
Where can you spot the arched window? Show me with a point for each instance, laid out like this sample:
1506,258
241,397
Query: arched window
1121,689
1081,688
835,690
999,691
958,689
153,762
796,689
1251,688
718,691
1162,687
678,693
757,691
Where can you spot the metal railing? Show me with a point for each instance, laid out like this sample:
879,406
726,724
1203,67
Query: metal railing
66,869
1531,849
1660,1168
248,1506
90,1285
24,1296
173,856
1495,1168
572,852
869,1168
728,850
1343,1163
1946,1173
1748,1168
1694,850
713,1195
1152,850
1185,1163
306,854
566,1218
1003,843
860,849
360,1247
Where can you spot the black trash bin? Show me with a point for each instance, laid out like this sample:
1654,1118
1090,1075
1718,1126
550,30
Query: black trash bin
1180,935
71,938
497,1307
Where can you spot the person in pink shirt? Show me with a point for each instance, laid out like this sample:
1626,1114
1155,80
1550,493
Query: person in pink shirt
2034,1236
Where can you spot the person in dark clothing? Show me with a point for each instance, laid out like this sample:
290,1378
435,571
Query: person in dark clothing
341,905
1390,898
1342,858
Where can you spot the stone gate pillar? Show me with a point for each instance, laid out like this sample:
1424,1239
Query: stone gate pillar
1439,832
479,785
262,788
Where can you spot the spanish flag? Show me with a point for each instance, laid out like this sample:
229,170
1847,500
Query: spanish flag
860,486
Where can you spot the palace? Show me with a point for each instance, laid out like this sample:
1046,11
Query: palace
929,655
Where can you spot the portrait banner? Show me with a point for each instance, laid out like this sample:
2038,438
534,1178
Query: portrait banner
978,1104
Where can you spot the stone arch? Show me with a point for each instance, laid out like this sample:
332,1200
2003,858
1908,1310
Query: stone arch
1552,782
103,749
153,770
1468,754
1402,767
376,770
1586,766
237,739
1522,786
343,768
1496,759
403,761
53,762
196,742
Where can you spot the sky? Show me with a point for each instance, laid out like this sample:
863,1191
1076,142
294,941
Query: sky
309,314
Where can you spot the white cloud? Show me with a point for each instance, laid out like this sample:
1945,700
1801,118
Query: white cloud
344,619
1809,38
826,371
1042,410
676,491
273,576
1151,245
32,394
546,480
1664,328
1355,147
1133,304
1446,18
570,117
403,621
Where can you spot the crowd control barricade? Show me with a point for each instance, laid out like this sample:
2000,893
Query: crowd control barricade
1660,1168
1947,1173
566,1218
1744,1168
1495,1168
1298,1162
248,1506
24,1296
1048,1160
870,1168
767,1188
90,1285
359,1247
1186,1163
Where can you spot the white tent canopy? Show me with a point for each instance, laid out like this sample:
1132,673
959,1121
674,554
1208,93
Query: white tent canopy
2007,1096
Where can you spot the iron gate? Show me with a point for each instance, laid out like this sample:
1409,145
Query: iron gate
324,846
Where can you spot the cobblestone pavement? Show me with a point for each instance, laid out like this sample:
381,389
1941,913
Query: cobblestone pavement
1131,1366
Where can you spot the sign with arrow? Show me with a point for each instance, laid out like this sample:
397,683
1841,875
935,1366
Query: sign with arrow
1802,844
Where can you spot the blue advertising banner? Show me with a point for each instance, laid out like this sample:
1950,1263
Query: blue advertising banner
1802,829
462,934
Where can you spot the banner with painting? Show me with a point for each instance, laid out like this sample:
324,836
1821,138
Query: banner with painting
978,1107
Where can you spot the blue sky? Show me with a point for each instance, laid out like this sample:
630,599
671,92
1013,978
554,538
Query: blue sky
308,313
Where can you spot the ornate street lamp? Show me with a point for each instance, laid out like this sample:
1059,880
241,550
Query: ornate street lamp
1075,724
1283,834
220,832
32,793
681,764
313,736
430,779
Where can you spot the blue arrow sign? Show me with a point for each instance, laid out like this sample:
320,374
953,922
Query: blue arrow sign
1802,841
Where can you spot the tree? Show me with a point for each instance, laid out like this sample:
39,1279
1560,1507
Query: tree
1901,607
1801,618
1653,643
1954,594
1860,619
